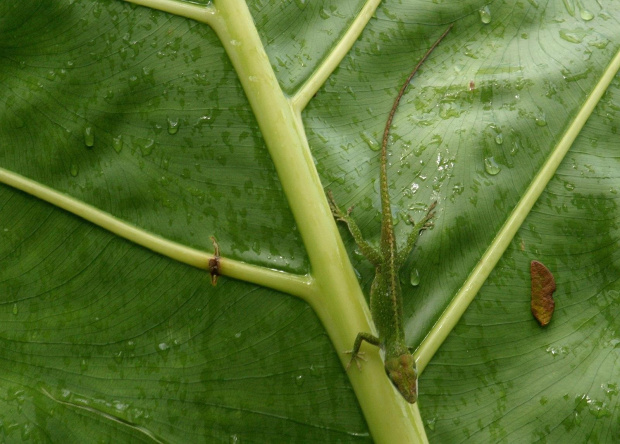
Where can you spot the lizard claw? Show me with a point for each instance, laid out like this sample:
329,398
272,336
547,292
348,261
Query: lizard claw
336,211
357,357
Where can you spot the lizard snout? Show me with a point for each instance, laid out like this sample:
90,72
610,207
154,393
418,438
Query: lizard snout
403,373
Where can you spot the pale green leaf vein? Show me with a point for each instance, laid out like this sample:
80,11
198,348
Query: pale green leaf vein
300,286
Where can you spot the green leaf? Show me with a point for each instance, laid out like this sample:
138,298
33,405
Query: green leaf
513,379
124,127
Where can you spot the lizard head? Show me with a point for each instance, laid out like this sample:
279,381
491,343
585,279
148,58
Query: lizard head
403,373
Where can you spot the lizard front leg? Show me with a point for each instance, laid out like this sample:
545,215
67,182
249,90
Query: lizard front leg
355,352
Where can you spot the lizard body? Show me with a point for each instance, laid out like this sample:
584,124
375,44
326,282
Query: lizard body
386,303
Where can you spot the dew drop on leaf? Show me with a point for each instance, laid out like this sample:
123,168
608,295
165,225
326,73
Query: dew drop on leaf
117,144
570,7
491,166
89,136
173,126
485,15
372,143
573,36
146,146
543,286
541,121
586,15
118,357
74,170
414,279
162,349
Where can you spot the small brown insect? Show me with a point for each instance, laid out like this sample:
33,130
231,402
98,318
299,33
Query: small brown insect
214,263
543,286
472,85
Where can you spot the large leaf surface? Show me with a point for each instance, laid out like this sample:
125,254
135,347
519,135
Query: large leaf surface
499,370
104,338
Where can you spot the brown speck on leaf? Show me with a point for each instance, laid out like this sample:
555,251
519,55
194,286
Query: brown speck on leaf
472,85
214,263
543,286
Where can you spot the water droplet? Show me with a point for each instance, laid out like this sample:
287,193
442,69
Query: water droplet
173,126
74,170
130,345
599,43
15,309
89,136
196,53
133,81
414,278
458,189
585,14
556,351
430,423
485,15
599,409
117,144
370,141
233,439
163,349
299,380
573,36
569,186
146,146
610,389
448,110
541,120
570,7
499,139
491,166
83,365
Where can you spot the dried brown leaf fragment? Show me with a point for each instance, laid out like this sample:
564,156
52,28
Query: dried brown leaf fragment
543,286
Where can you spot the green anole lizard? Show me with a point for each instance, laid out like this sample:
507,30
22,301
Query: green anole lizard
386,303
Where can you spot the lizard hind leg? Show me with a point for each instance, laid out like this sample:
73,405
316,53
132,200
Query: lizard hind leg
367,250
418,227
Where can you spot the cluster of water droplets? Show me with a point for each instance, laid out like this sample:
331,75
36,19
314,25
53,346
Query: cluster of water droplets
571,7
